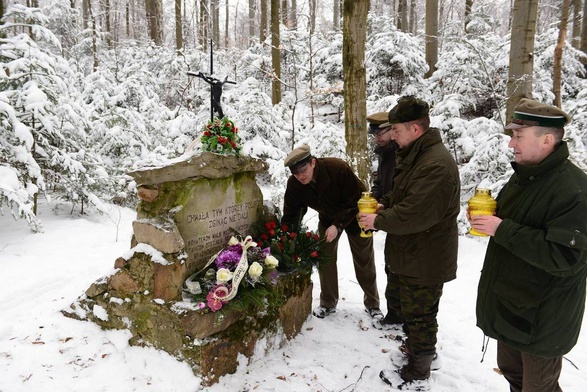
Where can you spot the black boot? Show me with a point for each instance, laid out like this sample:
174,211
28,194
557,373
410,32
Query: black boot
418,366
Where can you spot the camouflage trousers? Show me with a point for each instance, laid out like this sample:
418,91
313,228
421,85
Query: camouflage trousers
419,308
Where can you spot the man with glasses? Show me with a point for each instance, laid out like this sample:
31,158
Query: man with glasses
329,186
420,218
385,151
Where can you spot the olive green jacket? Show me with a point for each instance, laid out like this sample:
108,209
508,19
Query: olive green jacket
334,193
532,289
420,213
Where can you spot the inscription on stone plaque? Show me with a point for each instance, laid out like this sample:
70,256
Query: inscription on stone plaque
214,211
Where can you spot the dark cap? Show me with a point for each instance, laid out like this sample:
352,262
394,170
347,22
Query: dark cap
528,113
408,108
375,120
298,157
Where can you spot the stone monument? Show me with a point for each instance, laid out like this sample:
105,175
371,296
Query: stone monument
188,211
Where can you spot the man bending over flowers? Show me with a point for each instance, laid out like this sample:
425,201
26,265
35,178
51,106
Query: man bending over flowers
329,186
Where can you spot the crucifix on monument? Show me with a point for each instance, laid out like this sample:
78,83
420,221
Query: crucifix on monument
215,86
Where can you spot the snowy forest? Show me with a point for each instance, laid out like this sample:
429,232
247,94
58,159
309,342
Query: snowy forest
92,90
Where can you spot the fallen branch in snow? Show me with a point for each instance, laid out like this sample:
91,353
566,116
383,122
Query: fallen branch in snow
354,385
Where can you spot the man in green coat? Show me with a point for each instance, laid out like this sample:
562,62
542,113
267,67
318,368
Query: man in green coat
385,151
531,295
420,218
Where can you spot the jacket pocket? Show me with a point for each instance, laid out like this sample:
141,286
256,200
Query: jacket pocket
517,307
573,239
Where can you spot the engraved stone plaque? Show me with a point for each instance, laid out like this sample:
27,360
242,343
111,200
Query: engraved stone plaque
214,211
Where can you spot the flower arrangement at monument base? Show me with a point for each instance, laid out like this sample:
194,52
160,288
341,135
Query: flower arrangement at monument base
292,248
221,137
238,267
246,270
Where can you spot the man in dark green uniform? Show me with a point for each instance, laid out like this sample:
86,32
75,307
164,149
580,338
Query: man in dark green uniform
380,128
420,218
531,295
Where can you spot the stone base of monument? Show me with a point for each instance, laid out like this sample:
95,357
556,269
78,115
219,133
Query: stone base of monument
188,212
212,343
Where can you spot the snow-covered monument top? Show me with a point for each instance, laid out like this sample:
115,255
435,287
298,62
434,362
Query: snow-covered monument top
199,203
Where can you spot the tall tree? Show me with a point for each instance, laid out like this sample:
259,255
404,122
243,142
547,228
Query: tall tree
431,36
402,15
94,36
2,33
178,27
263,27
204,23
284,14
106,5
127,19
226,19
558,53
336,14
412,20
312,16
154,13
215,15
576,41
275,53
521,67
293,15
583,45
468,12
252,20
85,13
354,30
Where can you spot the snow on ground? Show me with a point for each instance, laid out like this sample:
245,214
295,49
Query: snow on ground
41,350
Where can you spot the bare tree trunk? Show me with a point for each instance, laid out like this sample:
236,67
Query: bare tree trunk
354,27
468,10
2,34
583,46
204,23
127,19
521,67
576,41
402,16
263,27
178,27
312,16
85,13
293,14
558,53
311,78
106,22
284,14
252,20
413,23
214,14
94,37
431,36
226,19
154,13
336,14
275,54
